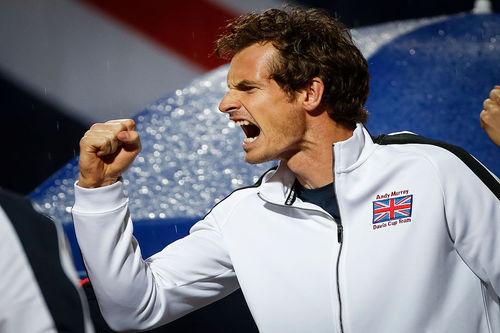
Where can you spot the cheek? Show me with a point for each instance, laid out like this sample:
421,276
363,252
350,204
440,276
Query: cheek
293,125
284,131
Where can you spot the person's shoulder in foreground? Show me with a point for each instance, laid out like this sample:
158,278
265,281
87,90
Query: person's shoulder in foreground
38,284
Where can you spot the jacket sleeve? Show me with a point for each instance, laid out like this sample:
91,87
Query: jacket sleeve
138,294
472,208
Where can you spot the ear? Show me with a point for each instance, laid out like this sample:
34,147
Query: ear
313,94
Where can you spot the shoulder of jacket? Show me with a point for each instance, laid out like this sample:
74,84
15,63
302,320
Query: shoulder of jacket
434,149
239,195
445,157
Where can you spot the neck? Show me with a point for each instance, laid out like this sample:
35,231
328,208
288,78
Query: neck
313,163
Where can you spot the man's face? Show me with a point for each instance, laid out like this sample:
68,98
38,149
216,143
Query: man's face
273,125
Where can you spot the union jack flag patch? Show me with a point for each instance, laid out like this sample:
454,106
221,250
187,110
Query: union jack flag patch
392,209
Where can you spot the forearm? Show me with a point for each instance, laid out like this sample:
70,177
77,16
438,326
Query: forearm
121,279
137,294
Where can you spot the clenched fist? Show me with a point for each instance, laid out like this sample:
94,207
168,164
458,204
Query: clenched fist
106,151
490,116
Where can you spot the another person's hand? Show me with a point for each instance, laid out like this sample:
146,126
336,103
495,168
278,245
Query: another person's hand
106,151
490,116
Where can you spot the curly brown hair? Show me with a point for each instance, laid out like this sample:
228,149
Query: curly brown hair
311,44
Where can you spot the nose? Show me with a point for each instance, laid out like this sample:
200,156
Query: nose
229,103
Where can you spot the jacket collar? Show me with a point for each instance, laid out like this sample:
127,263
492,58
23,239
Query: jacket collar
351,153
278,186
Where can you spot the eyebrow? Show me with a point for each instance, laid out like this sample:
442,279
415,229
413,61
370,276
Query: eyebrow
246,85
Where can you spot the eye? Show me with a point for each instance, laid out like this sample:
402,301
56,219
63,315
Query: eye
245,86
248,88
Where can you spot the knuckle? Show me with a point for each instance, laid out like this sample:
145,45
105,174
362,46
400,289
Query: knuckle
121,124
495,94
118,120
484,116
95,126
116,127
486,103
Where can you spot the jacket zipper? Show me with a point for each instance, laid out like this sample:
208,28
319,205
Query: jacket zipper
340,238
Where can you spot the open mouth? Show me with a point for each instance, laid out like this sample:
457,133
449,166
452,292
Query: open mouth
251,131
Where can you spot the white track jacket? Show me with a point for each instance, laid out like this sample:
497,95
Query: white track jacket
418,249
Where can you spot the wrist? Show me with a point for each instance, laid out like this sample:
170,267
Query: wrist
92,183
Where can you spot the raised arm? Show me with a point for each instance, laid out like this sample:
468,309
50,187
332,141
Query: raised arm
134,293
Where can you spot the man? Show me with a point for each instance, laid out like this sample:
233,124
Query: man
37,282
346,235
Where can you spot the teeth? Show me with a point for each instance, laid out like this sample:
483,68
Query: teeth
249,140
242,122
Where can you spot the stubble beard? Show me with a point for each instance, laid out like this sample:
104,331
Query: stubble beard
258,158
